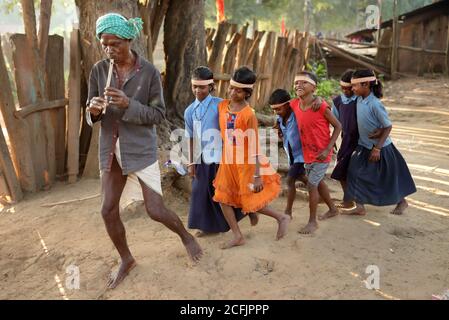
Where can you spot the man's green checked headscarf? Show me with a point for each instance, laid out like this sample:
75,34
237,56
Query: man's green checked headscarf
116,24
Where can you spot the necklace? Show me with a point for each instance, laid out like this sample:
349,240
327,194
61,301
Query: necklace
204,113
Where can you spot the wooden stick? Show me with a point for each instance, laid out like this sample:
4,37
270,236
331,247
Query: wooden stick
40,106
73,112
70,201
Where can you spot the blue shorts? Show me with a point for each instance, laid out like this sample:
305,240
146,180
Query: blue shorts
296,170
315,172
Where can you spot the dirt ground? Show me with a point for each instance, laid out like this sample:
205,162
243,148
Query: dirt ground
38,244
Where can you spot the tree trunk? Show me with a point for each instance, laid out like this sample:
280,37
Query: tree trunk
184,51
91,52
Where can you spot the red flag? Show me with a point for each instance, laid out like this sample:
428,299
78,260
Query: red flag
220,10
283,31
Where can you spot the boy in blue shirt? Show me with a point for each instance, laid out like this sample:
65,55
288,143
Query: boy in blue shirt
288,131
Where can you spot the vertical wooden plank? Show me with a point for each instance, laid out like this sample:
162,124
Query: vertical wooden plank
27,94
8,170
241,48
74,109
423,46
56,91
228,62
279,55
254,48
216,56
17,132
266,69
447,47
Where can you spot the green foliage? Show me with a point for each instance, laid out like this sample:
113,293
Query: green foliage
342,16
326,88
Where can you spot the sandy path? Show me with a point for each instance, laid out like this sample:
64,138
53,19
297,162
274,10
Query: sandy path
411,251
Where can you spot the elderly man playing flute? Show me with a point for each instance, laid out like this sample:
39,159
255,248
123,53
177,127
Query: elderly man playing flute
128,142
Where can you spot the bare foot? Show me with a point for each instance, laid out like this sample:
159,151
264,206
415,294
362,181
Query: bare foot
123,271
357,211
200,234
235,242
282,228
193,249
329,214
400,207
346,205
254,218
309,228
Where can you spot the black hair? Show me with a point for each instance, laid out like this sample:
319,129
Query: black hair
347,75
279,96
246,76
311,75
375,86
204,73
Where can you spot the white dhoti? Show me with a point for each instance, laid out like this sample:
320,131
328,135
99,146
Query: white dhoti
132,192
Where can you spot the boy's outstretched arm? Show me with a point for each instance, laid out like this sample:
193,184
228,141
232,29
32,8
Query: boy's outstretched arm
337,130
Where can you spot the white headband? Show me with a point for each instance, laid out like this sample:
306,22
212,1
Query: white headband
279,104
202,82
361,80
241,85
345,84
305,78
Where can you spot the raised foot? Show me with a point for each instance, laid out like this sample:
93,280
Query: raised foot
193,249
400,208
283,226
116,278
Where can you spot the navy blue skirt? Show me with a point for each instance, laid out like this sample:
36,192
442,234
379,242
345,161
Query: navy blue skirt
205,214
381,183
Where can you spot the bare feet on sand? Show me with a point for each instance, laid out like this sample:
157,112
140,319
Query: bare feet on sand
357,211
329,214
283,226
289,213
193,249
254,218
200,234
123,271
309,228
235,242
400,208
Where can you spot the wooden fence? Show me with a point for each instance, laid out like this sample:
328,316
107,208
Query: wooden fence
275,59
43,133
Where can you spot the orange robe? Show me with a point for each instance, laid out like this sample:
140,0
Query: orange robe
237,167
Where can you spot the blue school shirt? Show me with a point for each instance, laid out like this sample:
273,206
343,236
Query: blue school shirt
201,124
371,114
291,136
344,100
